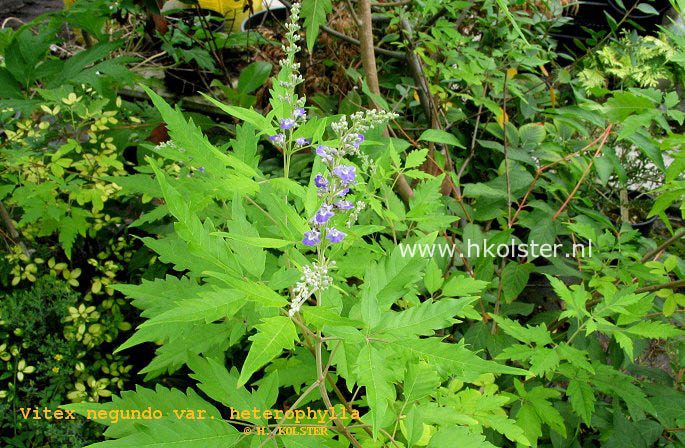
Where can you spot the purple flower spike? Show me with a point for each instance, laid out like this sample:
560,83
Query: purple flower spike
345,173
334,235
320,181
311,238
322,151
302,141
278,139
344,205
359,141
287,123
324,214
300,113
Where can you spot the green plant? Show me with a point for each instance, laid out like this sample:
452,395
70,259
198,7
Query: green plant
42,362
306,293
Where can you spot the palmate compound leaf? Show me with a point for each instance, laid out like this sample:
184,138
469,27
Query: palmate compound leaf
274,335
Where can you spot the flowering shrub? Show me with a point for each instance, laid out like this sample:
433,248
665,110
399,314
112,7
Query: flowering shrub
289,295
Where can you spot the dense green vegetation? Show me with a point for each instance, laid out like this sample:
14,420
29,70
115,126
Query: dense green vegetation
199,222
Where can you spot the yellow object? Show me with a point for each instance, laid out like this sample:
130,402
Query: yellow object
235,11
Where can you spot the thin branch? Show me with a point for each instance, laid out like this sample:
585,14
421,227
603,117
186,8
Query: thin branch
672,285
666,243
13,230
505,120
585,173
544,168
353,13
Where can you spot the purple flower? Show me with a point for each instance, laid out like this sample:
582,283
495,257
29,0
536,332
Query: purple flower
324,214
344,205
323,152
201,169
320,181
334,235
343,192
278,139
300,113
360,139
302,141
287,123
311,238
345,173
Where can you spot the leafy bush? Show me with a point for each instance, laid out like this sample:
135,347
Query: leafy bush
44,363
430,351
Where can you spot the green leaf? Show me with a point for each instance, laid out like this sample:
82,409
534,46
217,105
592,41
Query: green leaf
374,374
514,279
433,279
460,285
184,341
270,243
448,437
440,136
539,335
314,13
274,335
327,317
647,9
654,330
248,115
212,305
578,358
646,145
420,380
539,397
9,87
531,135
257,292
582,399
424,318
415,158
189,137
187,433
67,234
221,385
543,360
463,363
254,76
161,398
623,104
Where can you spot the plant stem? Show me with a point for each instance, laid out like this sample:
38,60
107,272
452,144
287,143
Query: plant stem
670,285
666,243
13,230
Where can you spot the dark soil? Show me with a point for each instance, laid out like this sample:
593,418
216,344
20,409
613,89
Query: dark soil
26,10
